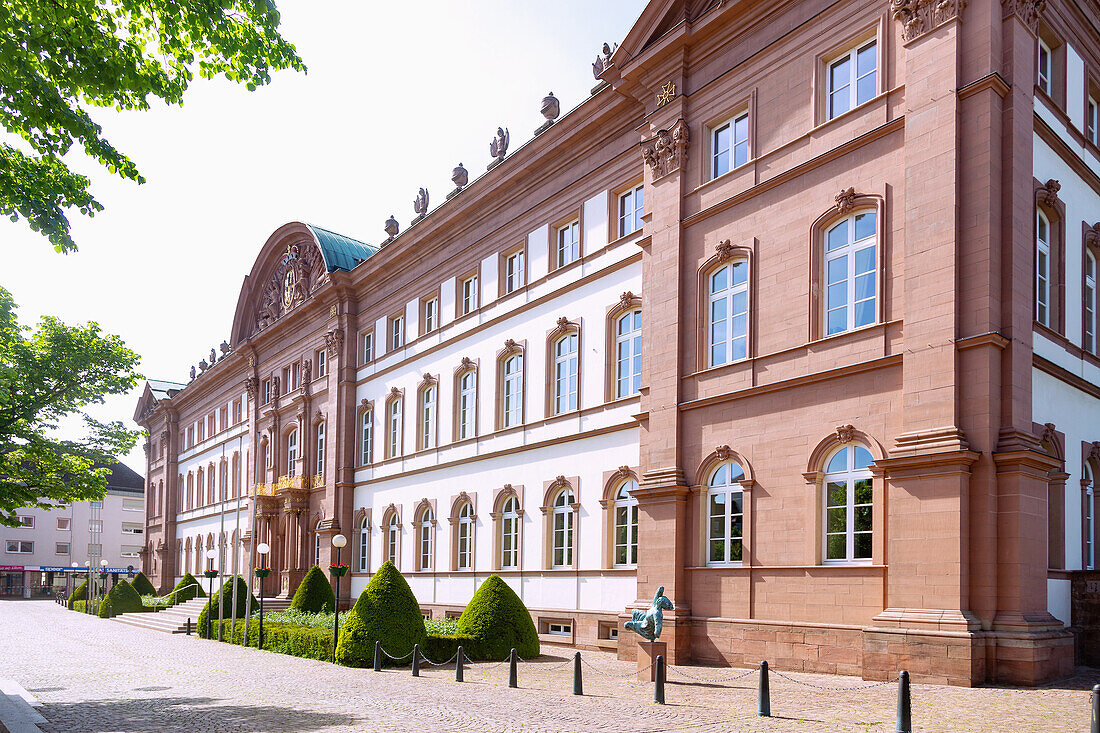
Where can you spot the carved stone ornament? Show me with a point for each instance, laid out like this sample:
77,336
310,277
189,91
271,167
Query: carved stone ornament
1094,453
550,108
224,346
298,273
724,250
623,472
252,387
845,433
1092,235
392,227
603,60
563,322
213,357
498,148
203,366
511,345
420,203
845,200
275,392
467,363
1049,434
626,299
428,378
508,489
666,152
307,371
560,481
251,361
366,404
723,453
192,372
1027,10
394,393
667,93
1048,192
460,176
917,17
334,339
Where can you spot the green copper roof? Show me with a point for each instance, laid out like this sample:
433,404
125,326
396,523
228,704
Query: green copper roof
340,252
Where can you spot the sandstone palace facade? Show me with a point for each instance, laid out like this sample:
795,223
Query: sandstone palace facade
795,315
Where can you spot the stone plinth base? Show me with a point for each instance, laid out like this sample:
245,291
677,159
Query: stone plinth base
648,651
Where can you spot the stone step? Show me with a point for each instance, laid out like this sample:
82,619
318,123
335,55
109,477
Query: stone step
174,620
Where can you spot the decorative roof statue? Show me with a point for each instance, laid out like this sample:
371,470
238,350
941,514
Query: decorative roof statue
648,623
392,227
213,357
550,109
460,177
203,366
498,148
420,204
192,372
603,60
224,347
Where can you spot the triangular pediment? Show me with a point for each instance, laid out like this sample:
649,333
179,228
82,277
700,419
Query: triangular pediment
658,18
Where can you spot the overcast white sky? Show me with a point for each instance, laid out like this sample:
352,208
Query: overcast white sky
396,95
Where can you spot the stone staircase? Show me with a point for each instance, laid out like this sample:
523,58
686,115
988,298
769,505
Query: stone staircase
174,620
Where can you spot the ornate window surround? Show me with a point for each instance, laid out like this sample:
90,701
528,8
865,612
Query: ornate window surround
457,503
1053,209
563,328
511,348
551,489
425,505
500,496
471,367
612,481
627,302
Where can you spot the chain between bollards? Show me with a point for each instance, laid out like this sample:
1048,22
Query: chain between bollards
659,681
764,699
578,685
905,707
416,660
377,656
513,680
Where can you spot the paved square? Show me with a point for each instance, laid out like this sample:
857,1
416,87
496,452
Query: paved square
95,675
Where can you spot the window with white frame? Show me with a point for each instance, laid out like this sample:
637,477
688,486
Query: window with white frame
513,271
132,528
20,547
130,551
852,79
366,347
559,629
465,557
728,309
565,373
26,521
64,523
292,453
467,404
319,465
1090,304
628,354
427,417
562,550
322,363
469,295
61,548
392,531
364,546
397,332
626,525
1046,66
431,314
848,505
1090,519
95,525
850,262
1042,269
568,243
427,539
513,390
267,398
393,429
509,534
725,514
1091,122
631,208
237,412
729,145
366,438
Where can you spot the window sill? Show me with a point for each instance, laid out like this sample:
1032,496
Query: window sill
728,175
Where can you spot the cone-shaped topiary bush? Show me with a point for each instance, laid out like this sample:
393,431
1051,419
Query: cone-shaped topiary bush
186,589
121,599
499,620
386,611
236,586
80,593
314,594
143,585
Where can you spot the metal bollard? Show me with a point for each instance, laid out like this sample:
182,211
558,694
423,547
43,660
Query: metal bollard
189,627
512,675
659,681
1095,728
578,686
764,700
458,665
905,713
416,660
377,656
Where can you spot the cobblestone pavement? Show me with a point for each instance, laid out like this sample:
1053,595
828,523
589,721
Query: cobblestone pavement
95,675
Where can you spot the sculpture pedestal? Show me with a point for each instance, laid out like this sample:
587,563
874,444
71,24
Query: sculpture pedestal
648,651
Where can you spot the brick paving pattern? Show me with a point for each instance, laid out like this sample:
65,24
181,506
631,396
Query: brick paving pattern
96,675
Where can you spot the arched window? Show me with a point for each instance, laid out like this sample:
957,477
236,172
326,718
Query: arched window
426,424
626,525
1089,529
292,453
467,404
366,438
317,543
728,308
210,485
180,566
427,539
393,428
200,486
628,354
1042,269
364,545
513,391
1090,304
848,505
562,550
465,558
849,278
223,480
725,513
393,530
565,373
185,566
236,475
319,467
509,534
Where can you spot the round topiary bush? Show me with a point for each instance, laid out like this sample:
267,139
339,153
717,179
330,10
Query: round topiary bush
314,594
80,593
143,585
224,598
499,620
386,611
121,599
186,589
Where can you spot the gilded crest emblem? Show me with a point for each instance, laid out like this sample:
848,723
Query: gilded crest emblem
288,288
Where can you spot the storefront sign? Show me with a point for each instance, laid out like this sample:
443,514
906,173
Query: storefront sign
11,568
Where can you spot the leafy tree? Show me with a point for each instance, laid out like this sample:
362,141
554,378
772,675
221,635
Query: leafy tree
63,58
46,375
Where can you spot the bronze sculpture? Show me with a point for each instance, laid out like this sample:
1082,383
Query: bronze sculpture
648,623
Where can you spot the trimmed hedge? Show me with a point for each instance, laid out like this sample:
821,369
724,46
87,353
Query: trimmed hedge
497,618
79,606
143,585
80,593
179,595
121,599
441,647
297,641
314,594
386,611
225,596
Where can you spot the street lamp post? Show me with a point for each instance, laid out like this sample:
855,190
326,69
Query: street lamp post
211,573
103,576
337,571
262,572
89,587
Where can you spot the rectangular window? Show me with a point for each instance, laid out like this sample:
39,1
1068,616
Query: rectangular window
133,505
431,314
725,518
469,295
568,243
397,332
319,469
223,415
1091,131
1046,66
237,416
322,363
96,504
852,79
61,548
267,391
559,629
131,550
95,525
20,547
26,521
366,436
1042,270
63,523
513,271
631,208
200,431
211,425
366,348
729,145
94,549
1090,303
131,528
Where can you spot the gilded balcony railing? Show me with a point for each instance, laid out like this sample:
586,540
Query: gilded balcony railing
263,490
317,481
293,482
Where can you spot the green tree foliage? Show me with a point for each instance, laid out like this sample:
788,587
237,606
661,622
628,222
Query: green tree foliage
499,620
45,375
386,611
62,59
80,593
224,598
121,599
186,589
143,585
314,594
